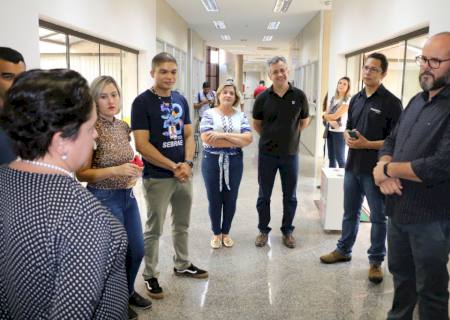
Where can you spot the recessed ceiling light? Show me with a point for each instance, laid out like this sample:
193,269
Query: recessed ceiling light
225,37
219,24
273,25
267,38
281,6
210,5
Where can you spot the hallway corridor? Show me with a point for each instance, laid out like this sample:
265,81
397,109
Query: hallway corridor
273,282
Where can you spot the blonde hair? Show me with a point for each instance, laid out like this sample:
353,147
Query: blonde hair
228,84
99,84
347,93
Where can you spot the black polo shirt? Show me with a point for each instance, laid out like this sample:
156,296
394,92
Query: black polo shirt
280,118
7,154
374,117
422,137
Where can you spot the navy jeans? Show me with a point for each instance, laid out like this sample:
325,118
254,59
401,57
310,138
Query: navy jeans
222,204
418,257
268,165
356,186
123,205
336,149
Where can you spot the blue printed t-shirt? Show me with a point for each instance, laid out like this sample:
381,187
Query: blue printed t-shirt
164,118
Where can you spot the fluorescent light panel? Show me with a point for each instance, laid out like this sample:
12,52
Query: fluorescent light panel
281,6
219,24
225,37
273,25
267,38
210,5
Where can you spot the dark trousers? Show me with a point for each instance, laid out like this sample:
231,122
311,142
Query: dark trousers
123,205
417,258
336,149
356,186
222,204
268,165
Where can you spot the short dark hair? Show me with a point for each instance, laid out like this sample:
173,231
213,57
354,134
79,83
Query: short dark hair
382,58
206,85
161,58
262,82
11,55
41,103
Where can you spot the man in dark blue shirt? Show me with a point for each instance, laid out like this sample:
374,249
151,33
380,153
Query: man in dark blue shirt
414,173
279,115
11,65
372,114
162,129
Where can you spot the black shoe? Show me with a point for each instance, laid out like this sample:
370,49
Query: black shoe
192,271
139,301
153,288
132,315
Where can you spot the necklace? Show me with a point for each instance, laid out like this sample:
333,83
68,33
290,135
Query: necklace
50,166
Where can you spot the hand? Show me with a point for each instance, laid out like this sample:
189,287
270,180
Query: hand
334,124
183,172
128,170
360,143
391,186
378,173
214,135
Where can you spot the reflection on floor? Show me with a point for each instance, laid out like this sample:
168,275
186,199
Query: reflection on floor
274,282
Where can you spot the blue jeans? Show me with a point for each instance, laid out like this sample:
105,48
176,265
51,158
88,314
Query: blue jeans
356,186
418,257
222,204
123,205
336,149
268,166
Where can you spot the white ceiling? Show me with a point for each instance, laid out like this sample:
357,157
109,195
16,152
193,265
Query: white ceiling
246,22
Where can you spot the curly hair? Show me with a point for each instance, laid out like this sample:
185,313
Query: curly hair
41,103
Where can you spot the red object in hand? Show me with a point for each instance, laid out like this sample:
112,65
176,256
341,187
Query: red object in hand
137,161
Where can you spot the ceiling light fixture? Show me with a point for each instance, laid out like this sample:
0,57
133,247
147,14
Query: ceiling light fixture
274,25
225,37
210,5
281,6
219,24
267,38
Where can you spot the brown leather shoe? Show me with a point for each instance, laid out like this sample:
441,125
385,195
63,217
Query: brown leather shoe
289,241
261,239
334,257
375,273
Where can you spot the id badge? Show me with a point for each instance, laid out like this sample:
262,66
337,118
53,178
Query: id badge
173,132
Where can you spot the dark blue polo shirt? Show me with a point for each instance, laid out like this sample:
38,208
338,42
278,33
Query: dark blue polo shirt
280,118
374,117
7,154
422,137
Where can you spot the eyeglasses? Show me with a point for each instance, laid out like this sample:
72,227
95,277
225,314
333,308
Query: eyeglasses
370,69
433,63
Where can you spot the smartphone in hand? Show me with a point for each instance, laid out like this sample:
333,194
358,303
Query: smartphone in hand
353,134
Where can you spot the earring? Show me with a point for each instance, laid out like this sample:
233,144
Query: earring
64,156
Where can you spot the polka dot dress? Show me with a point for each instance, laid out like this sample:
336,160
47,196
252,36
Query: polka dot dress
62,255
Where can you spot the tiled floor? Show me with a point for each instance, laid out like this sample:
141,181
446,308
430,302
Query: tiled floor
273,282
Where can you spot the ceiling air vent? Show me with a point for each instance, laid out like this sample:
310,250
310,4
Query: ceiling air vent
266,48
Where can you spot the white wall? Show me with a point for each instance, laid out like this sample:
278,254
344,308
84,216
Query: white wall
170,26
360,23
198,47
226,66
130,23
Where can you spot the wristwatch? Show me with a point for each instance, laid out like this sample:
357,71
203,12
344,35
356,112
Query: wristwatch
190,163
385,170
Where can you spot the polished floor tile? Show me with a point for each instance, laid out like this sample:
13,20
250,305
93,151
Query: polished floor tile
273,282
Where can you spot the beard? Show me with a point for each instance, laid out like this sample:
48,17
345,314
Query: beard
433,83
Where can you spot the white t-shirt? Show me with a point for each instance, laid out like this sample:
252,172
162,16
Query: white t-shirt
200,96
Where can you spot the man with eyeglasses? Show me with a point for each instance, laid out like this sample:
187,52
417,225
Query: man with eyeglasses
414,173
11,65
372,114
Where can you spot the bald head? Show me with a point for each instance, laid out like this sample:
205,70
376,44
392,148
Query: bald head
435,69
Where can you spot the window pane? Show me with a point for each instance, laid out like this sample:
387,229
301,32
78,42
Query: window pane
159,46
411,86
129,83
354,73
84,57
394,78
52,47
110,62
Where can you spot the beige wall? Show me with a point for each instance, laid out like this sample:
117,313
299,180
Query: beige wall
198,46
170,26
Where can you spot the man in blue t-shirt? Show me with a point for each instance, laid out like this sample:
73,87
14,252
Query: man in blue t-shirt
163,133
